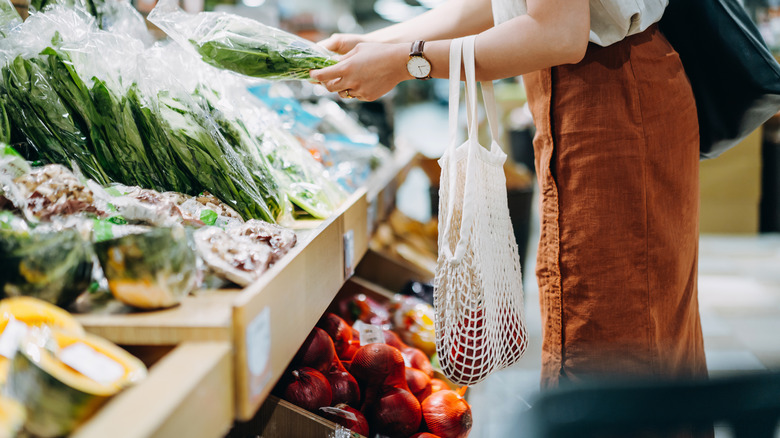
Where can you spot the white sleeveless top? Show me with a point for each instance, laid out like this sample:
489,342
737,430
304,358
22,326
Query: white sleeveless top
610,20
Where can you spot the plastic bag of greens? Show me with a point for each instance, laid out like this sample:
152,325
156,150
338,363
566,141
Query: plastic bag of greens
221,94
149,270
196,143
241,44
303,179
53,265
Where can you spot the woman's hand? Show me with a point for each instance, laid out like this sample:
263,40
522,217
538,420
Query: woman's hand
367,72
342,43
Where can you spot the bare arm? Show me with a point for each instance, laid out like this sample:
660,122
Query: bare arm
452,19
554,32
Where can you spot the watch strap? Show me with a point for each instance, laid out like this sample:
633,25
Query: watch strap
417,48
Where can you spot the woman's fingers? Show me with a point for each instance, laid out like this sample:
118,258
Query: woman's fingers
341,42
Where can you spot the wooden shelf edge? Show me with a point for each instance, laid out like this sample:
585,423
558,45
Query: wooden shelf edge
189,392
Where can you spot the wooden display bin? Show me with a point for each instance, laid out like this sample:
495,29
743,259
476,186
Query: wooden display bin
265,323
389,272
278,418
188,392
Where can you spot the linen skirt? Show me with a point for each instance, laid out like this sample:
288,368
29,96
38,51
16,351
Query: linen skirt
617,160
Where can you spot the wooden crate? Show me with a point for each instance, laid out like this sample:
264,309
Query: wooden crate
278,418
188,392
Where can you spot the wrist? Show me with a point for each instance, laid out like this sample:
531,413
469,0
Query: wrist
400,60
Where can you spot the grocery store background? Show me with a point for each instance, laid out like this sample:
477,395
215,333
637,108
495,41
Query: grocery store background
739,265
739,281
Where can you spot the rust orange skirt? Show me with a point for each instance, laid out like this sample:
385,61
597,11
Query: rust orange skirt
617,160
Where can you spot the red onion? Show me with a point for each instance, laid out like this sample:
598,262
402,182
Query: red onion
338,330
349,352
344,386
394,413
447,414
438,385
378,364
419,383
392,339
415,358
308,389
316,352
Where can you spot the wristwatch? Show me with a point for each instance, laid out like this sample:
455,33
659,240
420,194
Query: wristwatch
418,65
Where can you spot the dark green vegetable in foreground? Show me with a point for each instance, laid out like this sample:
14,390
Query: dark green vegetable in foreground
55,266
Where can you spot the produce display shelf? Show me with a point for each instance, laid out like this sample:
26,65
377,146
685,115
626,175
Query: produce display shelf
266,322
188,392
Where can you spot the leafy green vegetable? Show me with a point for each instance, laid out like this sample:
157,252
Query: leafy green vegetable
41,115
118,125
156,142
241,44
248,149
261,59
9,17
217,168
162,145
5,127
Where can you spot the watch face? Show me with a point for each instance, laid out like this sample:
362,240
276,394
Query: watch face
418,67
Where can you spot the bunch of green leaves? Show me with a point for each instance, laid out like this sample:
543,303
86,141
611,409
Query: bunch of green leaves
44,119
246,146
120,135
259,51
209,159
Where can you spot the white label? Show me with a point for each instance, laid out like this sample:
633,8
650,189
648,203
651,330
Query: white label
339,413
12,334
369,333
258,347
349,253
93,364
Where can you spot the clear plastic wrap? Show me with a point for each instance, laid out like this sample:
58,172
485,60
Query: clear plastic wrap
276,159
303,178
151,269
63,378
104,103
53,265
9,17
242,253
241,44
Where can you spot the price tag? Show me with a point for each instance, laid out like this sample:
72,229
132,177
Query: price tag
93,364
349,254
12,334
369,333
258,350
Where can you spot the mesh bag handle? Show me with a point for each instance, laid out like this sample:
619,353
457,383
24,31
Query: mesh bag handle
479,315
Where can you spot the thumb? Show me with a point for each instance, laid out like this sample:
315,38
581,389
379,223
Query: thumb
331,43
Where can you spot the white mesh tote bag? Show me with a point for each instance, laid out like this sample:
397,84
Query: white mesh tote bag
478,295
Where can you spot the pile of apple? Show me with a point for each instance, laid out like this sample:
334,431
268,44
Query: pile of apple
384,389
